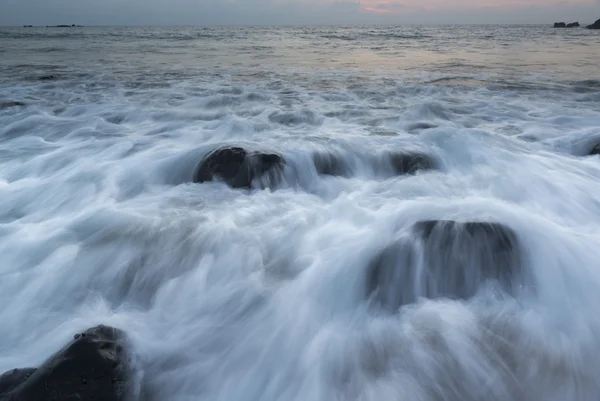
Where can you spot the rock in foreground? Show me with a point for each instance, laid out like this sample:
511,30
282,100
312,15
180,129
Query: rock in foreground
95,366
13,379
236,166
445,259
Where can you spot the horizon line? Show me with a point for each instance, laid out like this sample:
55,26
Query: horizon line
274,25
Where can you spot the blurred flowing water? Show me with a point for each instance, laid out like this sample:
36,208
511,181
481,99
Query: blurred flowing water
259,294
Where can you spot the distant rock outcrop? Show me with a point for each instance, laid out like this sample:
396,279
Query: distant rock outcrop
64,26
94,366
564,25
595,25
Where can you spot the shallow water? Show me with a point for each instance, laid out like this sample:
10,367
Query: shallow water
232,294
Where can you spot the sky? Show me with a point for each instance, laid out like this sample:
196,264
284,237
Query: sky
284,12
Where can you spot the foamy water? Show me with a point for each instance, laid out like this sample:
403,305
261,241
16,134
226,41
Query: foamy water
241,295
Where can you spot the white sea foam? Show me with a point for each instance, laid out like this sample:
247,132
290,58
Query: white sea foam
232,294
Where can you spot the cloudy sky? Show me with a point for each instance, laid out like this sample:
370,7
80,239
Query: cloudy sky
276,12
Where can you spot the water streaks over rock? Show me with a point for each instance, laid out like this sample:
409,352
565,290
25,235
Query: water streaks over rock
446,259
237,167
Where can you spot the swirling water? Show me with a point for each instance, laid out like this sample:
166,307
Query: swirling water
234,294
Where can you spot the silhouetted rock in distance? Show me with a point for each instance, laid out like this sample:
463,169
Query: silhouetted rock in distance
595,25
95,366
236,166
445,259
563,25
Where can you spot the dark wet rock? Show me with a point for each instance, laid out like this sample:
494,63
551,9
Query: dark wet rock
529,138
564,25
331,164
47,78
595,150
6,105
93,366
446,259
14,378
411,162
595,25
420,126
237,166
392,274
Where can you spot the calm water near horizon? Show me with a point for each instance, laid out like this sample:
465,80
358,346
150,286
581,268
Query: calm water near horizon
264,293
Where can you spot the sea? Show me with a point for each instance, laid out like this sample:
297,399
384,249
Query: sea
258,294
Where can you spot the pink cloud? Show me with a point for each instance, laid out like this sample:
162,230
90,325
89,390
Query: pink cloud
390,7
410,6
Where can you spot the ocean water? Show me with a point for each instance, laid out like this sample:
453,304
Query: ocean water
258,294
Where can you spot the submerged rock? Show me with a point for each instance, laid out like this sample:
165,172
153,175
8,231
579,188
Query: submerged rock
445,259
11,103
94,366
595,25
330,164
47,78
236,166
595,150
420,126
411,163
